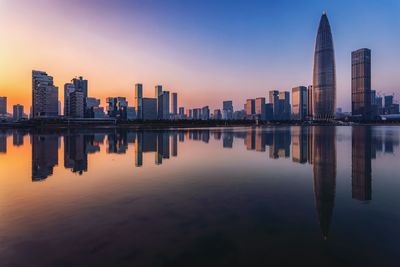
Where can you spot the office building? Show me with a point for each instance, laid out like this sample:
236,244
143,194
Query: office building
181,113
81,84
91,104
131,113
324,73
205,113
157,91
197,114
269,112
274,101
174,104
139,100
18,112
309,102
149,111
76,104
227,110
217,114
250,107
3,105
284,108
299,103
361,83
163,106
260,108
44,95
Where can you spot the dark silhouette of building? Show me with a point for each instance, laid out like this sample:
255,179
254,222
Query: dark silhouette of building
75,155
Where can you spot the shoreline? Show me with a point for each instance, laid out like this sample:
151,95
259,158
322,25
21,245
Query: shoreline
177,124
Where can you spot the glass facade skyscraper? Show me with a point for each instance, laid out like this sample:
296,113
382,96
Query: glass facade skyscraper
324,76
361,83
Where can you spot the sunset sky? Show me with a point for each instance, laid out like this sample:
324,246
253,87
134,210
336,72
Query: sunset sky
206,50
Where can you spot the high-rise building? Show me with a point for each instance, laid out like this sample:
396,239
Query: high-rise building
284,109
299,103
76,104
44,95
250,107
139,100
310,101
324,74
174,104
217,114
157,91
274,101
205,113
149,109
18,112
181,113
92,104
163,106
361,83
81,85
260,108
269,112
3,105
227,110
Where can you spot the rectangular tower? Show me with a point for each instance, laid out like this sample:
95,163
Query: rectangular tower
139,101
361,83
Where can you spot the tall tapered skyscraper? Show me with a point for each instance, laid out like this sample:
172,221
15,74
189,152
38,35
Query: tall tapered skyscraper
324,75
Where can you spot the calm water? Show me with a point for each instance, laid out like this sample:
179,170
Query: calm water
201,197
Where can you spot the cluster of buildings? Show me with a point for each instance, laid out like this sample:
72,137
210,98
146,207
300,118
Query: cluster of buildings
314,102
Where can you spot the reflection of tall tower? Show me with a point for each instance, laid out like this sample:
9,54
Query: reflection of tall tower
324,169
361,163
174,144
251,139
139,149
324,76
299,144
44,155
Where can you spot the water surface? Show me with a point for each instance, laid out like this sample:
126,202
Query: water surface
200,197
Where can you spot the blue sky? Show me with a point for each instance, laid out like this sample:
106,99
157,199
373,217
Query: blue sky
209,51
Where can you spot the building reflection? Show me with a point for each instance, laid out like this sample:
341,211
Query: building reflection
324,174
75,153
361,163
3,142
44,155
18,138
300,144
280,143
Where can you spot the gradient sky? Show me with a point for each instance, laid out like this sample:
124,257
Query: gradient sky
206,50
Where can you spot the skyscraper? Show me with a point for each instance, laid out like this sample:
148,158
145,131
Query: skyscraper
274,101
324,75
3,105
163,106
81,85
260,108
44,95
174,103
18,112
157,91
361,83
139,100
250,107
299,103
227,110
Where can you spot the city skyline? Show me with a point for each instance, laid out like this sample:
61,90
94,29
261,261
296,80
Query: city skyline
191,77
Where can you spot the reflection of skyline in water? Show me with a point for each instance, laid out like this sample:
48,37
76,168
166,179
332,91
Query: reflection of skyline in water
313,145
